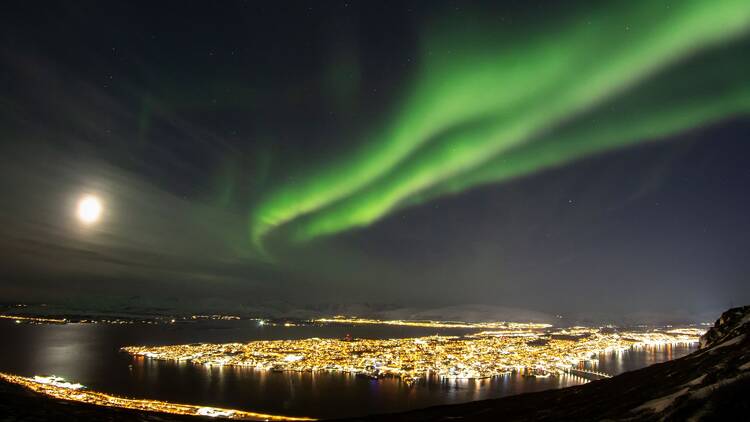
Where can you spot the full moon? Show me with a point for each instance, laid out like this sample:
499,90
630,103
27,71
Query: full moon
89,209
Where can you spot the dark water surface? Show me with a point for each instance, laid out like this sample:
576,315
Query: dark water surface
89,354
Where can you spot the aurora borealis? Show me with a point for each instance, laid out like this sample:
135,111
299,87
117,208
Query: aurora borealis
488,106
427,154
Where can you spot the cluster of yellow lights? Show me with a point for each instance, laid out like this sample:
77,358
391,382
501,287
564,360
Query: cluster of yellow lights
474,356
433,324
37,320
216,317
42,320
57,387
658,337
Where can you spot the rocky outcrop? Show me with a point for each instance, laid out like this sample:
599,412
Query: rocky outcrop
732,324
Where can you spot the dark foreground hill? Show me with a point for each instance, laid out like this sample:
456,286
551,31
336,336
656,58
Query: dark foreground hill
712,383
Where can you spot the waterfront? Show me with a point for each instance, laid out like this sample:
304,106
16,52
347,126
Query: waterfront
89,354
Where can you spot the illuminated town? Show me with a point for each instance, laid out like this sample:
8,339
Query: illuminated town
529,348
491,349
432,324
60,389
33,320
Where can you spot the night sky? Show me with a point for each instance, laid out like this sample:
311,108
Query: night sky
561,157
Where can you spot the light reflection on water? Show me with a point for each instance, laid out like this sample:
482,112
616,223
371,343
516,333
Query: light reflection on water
89,354
619,362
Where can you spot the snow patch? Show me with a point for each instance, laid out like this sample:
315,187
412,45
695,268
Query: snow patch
658,405
706,391
730,342
662,403
697,380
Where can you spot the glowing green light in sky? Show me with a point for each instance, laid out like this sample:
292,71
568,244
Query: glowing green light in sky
488,106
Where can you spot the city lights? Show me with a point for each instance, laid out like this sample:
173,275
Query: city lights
60,389
433,324
537,352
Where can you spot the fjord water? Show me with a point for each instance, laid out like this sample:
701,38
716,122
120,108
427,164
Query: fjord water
89,354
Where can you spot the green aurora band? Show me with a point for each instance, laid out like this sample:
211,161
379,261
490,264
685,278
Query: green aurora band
513,104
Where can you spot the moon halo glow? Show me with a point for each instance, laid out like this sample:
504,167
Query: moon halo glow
89,209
